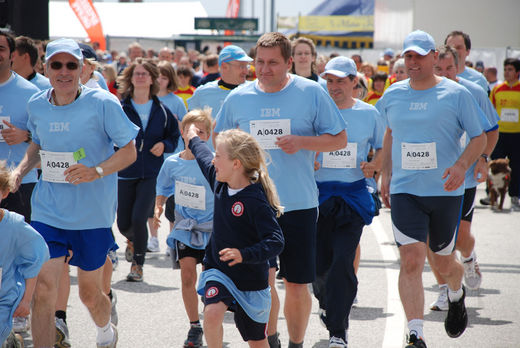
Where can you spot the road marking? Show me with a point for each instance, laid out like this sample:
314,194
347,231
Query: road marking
395,321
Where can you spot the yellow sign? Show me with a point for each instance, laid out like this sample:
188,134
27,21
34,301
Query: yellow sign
336,23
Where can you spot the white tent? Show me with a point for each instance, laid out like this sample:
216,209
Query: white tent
155,20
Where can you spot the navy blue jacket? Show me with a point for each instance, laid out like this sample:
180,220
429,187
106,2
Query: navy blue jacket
244,221
162,126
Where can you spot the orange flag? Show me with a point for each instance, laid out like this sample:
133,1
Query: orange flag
87,15
232,12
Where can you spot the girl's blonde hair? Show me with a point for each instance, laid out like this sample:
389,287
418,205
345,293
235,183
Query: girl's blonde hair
242,146
198,115
5,178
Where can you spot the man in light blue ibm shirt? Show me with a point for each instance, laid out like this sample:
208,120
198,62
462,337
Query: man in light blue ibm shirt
292,118
423,177
74,130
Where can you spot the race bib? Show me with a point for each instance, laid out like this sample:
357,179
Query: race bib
343,158
266,131
3,126
190,196
419,156
509,115
54,165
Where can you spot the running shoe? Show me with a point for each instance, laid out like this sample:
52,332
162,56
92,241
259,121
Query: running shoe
441,304
153,245
337,342
14,340
168,251
457,318
355,302
472,275
62,334
274,341
515,204
112,255
112,344
194,339
485,201
21,324
113,312
136,273
414,342
129,252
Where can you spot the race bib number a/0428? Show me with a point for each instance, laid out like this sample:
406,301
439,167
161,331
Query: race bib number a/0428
343,158
419,156
54,164
267,131
191,196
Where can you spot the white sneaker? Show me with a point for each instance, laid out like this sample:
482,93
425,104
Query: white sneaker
112,344
62,334
153,245
515,204
168,251
336,342
441,304
472,275
21,324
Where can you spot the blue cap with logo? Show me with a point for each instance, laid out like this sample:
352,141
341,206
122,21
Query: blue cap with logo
420,42
231,53
340,67
63,46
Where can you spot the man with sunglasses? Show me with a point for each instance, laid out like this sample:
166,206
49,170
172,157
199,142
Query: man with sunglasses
74,130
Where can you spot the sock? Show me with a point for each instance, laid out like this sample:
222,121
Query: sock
339,334
195,323
295,345
110,295
466,259
61,315
273,340
455,296
105,334
416,327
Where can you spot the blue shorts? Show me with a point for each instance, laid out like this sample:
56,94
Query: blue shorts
298,258
249,329
468,205
89,247
433,220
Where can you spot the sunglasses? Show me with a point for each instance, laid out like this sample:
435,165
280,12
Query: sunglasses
59,65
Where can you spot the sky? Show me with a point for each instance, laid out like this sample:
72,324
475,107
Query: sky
217,8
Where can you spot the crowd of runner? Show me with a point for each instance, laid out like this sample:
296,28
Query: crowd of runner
266,164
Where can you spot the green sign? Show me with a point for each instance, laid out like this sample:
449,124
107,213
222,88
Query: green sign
226,23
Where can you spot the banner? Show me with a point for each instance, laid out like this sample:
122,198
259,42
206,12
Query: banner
336,23
232,11
87,15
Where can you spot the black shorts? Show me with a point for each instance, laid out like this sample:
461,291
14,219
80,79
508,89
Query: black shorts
20,201
468,204
169,211
186,251
433,219
249,329
298,258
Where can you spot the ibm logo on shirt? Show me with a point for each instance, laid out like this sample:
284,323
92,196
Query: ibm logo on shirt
418,106
188,180
59,127
270,112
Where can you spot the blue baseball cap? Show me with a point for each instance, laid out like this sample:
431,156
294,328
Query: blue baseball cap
389,52
88,52
63,46
231,53
340,67
420,42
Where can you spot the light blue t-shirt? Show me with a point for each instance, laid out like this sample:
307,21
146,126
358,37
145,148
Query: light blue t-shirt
101,80
41,82
176,105
474,76
94,122
488,123
23,251
301,107
426,129
143,110
14,95
365,129
186,172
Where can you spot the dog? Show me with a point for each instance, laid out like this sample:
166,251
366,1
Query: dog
498,181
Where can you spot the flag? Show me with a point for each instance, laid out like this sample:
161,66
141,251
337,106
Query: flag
87,15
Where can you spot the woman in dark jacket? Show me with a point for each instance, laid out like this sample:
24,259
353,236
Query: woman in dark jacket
158,134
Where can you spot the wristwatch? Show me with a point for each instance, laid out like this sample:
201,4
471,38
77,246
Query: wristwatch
485,157
100,172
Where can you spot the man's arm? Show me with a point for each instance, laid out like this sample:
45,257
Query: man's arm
482,166
29,161
386,168
122,158
325,142
370,168
457,172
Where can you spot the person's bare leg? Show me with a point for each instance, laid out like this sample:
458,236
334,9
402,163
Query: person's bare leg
410,279
189,293
297,310
91,293
272,326
213,318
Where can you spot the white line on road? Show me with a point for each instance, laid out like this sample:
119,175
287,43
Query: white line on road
395,321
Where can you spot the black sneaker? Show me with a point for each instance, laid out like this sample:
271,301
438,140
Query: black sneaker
414,342
457,318
194,339
485,201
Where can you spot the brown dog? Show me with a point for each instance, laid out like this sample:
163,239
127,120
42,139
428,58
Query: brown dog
498,181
